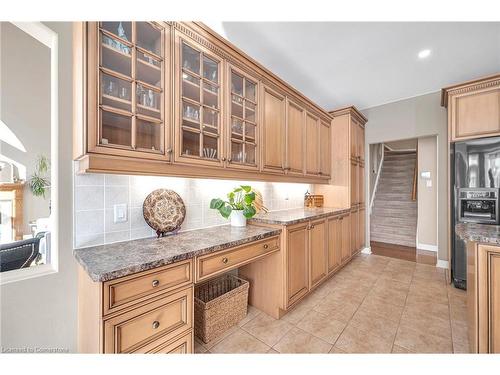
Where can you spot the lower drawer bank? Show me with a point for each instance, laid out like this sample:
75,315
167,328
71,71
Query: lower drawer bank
152,311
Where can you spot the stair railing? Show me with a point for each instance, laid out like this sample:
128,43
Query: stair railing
379,171
415,179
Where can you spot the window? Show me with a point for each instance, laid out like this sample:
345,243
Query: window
28,150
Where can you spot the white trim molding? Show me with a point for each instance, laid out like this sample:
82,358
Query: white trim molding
375,185
367,250
423,246
442,264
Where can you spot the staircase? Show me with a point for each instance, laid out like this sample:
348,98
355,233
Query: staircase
394,214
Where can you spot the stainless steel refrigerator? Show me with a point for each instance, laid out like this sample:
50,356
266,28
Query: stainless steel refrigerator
475,183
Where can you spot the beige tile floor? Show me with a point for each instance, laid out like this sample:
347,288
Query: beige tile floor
374,304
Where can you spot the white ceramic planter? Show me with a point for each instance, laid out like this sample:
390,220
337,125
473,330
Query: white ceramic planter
238,219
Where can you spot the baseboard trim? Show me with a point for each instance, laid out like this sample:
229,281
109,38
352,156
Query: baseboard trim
367,250
442,264
423,246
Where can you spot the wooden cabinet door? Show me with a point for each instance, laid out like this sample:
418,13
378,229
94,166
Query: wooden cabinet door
361,228
297,262
243,120
354,183
361,143
273,130
325,150
354,138
128,88
361,183
354,231
198,103
346,237
312,144
318,252
475,114
488,297
295,138
334,243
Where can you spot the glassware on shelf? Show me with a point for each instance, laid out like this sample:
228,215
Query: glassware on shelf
121,32
147,97
114,44
191,113
123,93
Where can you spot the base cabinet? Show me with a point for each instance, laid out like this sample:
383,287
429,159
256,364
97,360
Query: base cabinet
318,252
297,260
483,297
334,243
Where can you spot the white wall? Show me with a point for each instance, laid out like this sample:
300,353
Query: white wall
416,117
427,236
42,312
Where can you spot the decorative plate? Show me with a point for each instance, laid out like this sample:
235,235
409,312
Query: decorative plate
164,211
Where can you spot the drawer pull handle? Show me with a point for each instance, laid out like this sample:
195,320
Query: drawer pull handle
224,260
156,324
155,283
266,246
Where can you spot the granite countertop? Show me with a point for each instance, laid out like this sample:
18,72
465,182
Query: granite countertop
108,262
484,233
295,216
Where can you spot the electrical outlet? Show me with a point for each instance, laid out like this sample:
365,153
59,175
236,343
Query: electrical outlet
429,183
120,213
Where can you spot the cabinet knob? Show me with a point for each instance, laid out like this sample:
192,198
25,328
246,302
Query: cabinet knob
224,260
320,173
266,246
169,150
156,324
155,283
229,160
312,226
223,159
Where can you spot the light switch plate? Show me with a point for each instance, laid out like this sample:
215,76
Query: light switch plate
429,183
120,213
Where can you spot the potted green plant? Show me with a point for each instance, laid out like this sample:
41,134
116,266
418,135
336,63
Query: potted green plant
239,206
38,183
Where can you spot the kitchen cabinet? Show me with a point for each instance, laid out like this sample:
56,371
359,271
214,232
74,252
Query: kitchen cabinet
295,138
354,231
318,252
273,131
473,108
483,297
126,95
334,242
346,187
325,161
198,92
297,262
346,237
312,144
175,99
243,108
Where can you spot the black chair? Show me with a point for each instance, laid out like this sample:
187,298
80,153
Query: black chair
18,254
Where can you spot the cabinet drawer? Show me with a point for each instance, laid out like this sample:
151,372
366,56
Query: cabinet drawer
165,318
213,264
129,290
180,345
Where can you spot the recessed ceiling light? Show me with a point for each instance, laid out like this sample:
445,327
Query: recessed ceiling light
424,53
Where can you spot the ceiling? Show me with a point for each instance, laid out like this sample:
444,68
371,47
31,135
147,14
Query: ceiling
367,64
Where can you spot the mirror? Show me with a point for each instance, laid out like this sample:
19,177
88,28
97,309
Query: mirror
26,150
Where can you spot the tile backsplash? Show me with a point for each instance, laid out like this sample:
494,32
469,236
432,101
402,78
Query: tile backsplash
96,194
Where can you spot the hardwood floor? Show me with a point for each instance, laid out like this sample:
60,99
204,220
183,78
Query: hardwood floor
403,252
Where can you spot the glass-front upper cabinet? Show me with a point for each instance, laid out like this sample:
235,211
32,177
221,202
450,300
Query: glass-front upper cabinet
132,76
199,131
243,120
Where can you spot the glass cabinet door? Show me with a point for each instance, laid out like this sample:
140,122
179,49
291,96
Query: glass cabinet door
200,104
131,89
243,117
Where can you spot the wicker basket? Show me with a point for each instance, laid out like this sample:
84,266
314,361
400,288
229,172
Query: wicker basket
219,304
